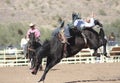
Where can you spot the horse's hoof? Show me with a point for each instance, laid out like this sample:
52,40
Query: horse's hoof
98,55
107,56
31,68
40,81
34,72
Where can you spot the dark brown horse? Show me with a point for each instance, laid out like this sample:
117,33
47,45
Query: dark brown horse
32,48
53,49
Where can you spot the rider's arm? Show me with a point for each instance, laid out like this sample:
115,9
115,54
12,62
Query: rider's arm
91,24
92,15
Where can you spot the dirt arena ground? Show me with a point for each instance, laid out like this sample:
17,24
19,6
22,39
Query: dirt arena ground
65,73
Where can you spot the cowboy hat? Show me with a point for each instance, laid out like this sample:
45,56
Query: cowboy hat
31,24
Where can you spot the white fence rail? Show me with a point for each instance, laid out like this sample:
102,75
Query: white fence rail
18,58
14,59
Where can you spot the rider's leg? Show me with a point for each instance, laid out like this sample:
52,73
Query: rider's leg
63,40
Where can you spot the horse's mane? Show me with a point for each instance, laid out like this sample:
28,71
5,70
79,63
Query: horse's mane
55,44
46,42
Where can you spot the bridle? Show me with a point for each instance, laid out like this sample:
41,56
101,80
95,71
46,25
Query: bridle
30,43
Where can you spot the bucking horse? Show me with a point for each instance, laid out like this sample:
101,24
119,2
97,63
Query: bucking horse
52,49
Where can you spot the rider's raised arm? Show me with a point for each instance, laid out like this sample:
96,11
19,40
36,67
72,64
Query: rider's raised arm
92,15
90,21
90,24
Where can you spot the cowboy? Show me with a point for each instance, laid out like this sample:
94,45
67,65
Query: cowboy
87,23
33,29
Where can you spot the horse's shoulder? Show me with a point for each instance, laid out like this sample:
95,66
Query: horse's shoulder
90,30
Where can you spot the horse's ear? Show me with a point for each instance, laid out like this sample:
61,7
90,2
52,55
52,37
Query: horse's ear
62,24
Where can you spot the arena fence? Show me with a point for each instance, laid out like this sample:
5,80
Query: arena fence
85,56
13,59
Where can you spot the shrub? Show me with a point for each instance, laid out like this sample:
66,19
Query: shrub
13,32
102,12
8,1
45,33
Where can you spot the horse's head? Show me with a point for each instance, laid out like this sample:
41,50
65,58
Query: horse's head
98,23
32,38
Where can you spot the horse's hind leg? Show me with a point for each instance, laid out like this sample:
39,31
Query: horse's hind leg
32,64
96,53
49,65
104,48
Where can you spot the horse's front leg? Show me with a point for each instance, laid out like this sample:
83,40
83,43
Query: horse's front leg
37,65
96,53
49,65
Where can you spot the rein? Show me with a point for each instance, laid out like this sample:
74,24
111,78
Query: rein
30,49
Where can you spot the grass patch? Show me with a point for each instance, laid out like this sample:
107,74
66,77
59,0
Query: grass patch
102,12
12,33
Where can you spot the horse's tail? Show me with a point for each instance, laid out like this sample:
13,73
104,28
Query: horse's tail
98,23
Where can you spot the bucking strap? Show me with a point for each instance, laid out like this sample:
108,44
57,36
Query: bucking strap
84,37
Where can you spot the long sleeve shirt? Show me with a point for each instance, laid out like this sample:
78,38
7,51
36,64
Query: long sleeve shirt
80,23
90,24
36,31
